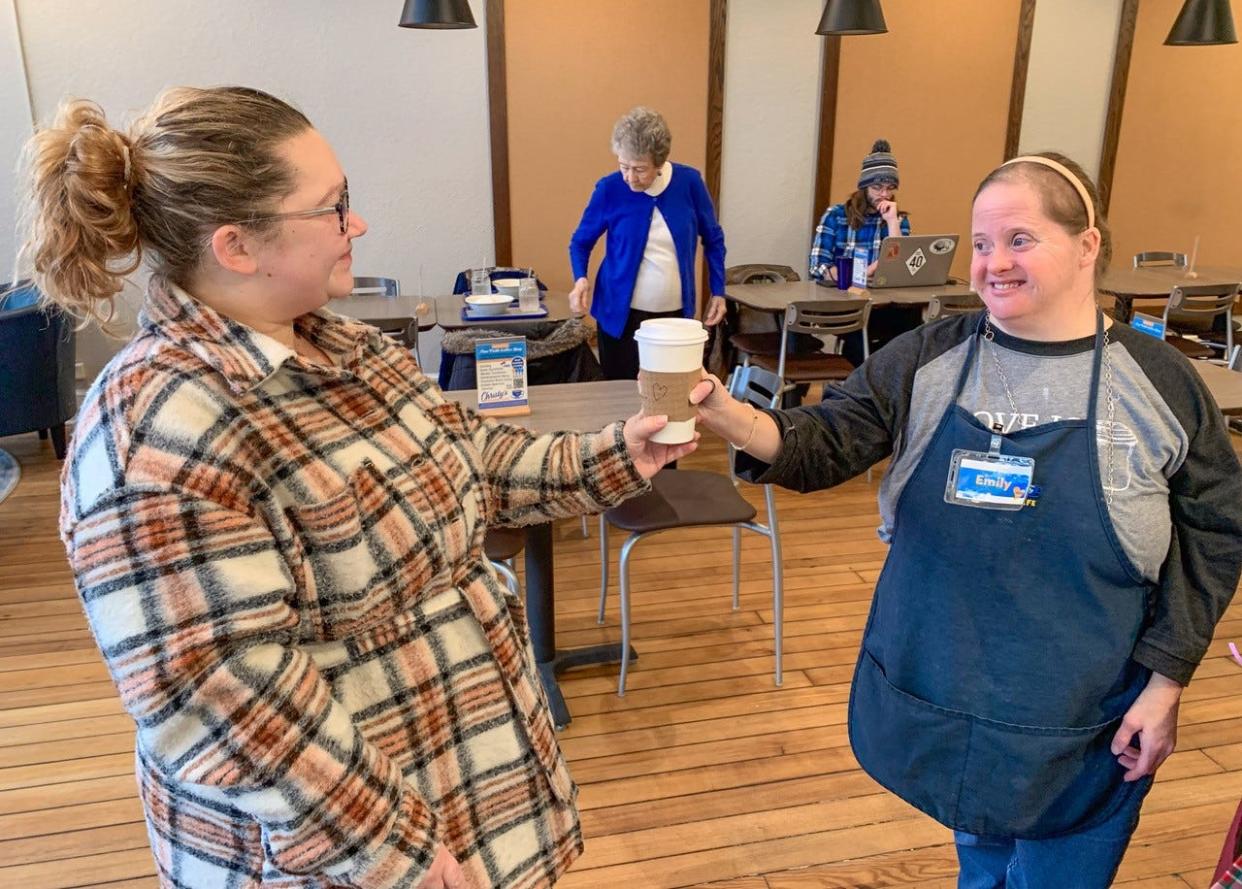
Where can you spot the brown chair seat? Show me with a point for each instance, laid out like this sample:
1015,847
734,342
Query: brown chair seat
682,497
757,343
816,366
686,498
502,544
1190,348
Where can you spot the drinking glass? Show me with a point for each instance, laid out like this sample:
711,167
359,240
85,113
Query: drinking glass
528,295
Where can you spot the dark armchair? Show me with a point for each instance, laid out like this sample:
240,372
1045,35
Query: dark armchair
36,366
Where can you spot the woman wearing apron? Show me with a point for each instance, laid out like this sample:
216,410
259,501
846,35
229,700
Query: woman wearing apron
1065,513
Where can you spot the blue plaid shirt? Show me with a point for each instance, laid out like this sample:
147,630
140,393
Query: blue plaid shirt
834,238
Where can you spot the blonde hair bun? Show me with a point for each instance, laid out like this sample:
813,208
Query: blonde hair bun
98,201
83,237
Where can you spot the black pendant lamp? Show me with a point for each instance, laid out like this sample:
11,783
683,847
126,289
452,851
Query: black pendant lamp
1203,23
849,17
438,14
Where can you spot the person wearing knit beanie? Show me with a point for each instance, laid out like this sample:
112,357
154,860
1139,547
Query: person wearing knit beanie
861,222
879,166
864,219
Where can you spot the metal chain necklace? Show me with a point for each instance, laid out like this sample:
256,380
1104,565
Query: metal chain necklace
1110,397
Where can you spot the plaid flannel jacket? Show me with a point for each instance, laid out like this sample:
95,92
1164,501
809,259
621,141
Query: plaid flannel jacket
282,565
834,238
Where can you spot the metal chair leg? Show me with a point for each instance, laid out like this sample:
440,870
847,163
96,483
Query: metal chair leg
586,530
603,568
624,581
509,575
737,567
778,585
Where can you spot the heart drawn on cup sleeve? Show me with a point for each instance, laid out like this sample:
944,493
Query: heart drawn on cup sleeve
659,391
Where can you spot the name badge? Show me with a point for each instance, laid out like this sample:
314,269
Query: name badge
861,262
989,480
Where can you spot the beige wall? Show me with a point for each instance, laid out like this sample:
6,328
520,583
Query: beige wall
573,67
15,112
936,86
1068,79
1178,174
405,110
771,127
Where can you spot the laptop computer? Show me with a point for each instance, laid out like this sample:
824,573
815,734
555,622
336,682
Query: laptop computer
914,261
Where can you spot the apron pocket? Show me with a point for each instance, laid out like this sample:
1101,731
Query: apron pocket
914,748
978,775
1033,783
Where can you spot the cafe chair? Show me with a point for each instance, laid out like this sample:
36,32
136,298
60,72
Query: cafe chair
404,332
945,305
37,391
689,498
364,286
1202,310
757,333
501,546
556,352
835,317
495,273
1157,258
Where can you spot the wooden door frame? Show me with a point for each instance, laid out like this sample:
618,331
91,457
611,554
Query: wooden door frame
830,82
1116,101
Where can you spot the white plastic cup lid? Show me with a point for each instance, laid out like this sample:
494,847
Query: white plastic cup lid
671,332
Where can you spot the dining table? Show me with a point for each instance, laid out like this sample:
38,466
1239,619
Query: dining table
1224,384
449,312
554,408
374,307
402,317
775,297
1156,282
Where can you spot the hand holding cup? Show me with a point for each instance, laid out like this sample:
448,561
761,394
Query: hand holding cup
649,455
670,361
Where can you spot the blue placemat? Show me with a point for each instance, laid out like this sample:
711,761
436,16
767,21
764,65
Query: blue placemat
510,315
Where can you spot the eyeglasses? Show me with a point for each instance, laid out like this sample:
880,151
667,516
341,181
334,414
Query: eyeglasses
340,208
883,186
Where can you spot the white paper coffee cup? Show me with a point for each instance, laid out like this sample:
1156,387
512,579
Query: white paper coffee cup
670,353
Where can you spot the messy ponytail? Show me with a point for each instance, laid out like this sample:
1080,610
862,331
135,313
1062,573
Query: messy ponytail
83,239
99,202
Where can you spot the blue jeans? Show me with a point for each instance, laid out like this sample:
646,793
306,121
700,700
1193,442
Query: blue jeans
1087,859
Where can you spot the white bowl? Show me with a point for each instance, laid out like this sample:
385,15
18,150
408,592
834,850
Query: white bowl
507,285
488,303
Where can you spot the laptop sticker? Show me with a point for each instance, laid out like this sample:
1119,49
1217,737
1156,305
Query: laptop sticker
941,246
892,251
917,260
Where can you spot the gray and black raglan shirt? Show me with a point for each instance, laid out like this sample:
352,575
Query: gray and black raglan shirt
1176,485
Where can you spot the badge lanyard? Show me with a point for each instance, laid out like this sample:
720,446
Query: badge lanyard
993,480
851,239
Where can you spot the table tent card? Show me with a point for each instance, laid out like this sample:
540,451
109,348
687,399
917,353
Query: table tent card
500,376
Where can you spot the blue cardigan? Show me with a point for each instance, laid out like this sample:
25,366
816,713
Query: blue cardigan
626,216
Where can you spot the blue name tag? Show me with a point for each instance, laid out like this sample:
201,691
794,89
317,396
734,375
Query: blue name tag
1148,325
987,480
859,278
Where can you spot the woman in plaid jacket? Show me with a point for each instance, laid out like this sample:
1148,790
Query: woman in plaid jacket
276,521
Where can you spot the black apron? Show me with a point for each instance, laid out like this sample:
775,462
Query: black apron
996,663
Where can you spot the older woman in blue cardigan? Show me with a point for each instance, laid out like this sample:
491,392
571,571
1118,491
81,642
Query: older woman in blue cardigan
653,211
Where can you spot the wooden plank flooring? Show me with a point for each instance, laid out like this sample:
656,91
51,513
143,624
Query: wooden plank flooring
705,774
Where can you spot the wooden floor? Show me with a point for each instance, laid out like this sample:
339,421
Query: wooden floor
705,774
